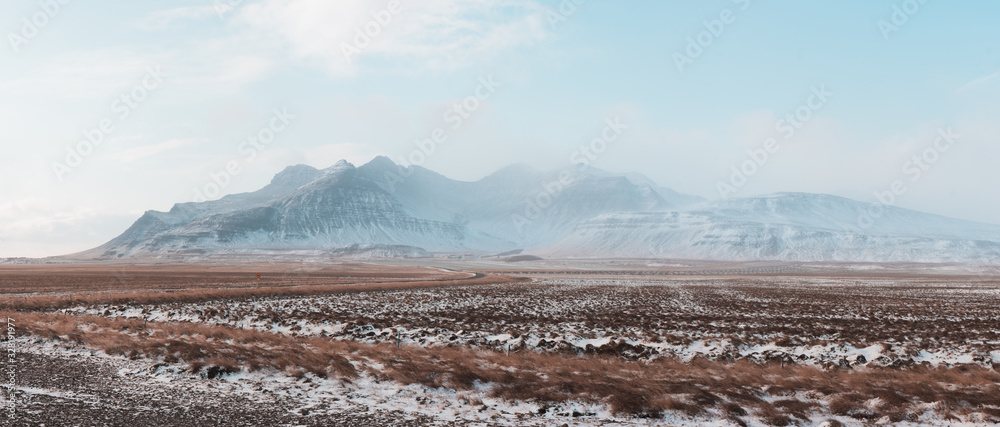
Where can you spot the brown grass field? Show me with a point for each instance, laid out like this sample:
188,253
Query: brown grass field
926,310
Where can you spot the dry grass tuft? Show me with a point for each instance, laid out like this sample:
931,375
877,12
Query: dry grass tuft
51,302
639,389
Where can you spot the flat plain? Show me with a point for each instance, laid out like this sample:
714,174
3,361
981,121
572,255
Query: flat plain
493,343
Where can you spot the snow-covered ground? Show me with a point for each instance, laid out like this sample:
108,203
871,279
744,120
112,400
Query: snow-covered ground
821,322
849,327
311,397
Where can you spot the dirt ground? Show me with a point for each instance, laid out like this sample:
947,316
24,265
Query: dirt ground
93,393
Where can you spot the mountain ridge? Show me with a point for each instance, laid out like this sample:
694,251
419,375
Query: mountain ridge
573,212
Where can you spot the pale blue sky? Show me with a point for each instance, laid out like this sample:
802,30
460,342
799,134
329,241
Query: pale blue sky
226,73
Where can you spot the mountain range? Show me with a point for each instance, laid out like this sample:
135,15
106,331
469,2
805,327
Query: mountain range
383,209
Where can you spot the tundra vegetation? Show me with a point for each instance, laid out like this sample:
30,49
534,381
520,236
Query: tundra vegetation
748,349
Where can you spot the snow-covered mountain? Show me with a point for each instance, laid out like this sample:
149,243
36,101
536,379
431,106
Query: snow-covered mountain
784,226
381,203
382,209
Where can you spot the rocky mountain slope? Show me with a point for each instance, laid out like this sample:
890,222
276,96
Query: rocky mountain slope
786,226
382,209
382,204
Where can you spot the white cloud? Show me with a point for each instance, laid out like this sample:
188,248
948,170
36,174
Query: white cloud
434,34
977,82
162,19
220,66
89,75
137,153
22,208
34,216
36,227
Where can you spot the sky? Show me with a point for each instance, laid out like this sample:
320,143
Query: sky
109,110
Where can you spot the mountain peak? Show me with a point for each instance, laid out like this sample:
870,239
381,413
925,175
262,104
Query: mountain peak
340,166
298,174
380,163
517,170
